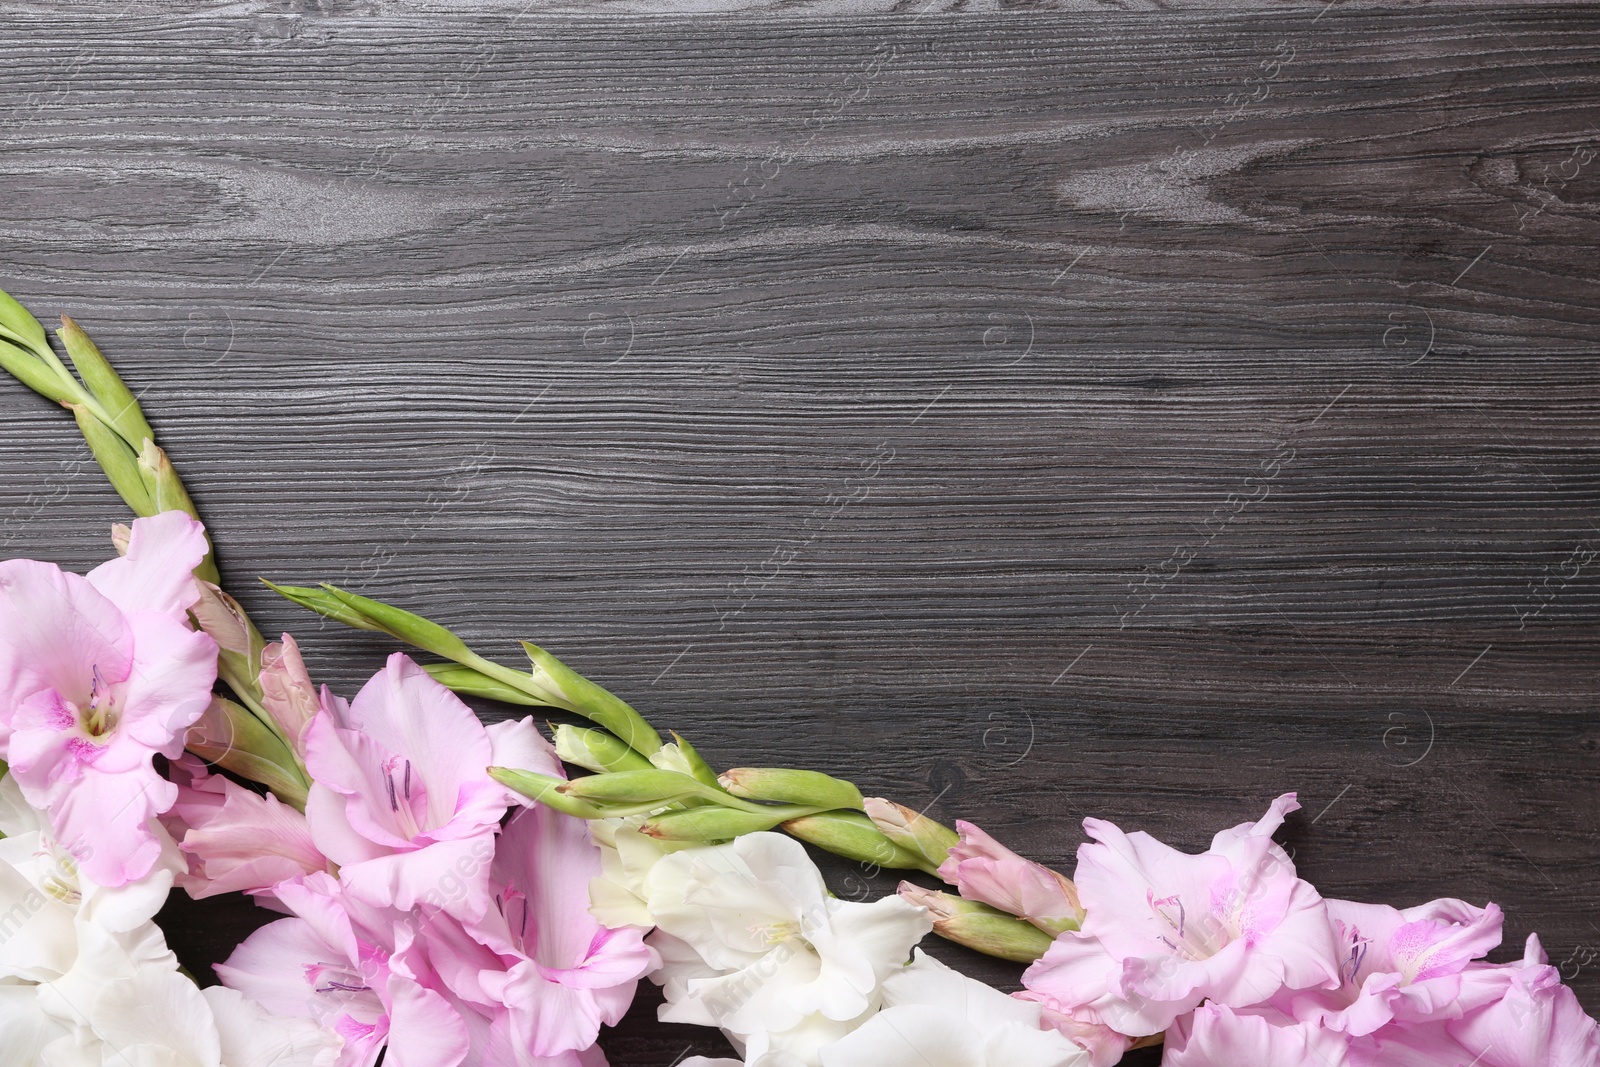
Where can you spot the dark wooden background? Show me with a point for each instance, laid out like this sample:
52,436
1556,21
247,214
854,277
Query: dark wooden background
1024,413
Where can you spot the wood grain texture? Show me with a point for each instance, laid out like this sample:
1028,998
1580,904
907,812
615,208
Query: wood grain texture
1030,416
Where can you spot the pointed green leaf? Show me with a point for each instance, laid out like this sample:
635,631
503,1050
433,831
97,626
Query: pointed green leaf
323,603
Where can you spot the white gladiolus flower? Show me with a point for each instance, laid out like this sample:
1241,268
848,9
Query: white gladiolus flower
936,1017
752,943
87,980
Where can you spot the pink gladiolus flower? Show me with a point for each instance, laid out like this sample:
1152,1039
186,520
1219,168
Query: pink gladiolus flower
1535,1021
1215,1036
1164,931
97,675
984,870
401,798
237,841
537,963
353,968
1404,965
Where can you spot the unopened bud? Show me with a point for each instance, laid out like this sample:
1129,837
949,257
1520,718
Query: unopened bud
596,750
287,691
679,755
851,834
709,824
978,926
469,681
117,402
121,537
117,458
985,870
811,788
545,789
648,786
576,693
231,737
912,830
221,617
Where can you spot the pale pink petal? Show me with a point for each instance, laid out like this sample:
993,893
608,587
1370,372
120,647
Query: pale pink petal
357,767
1084,1028
251,843
269,968
407,712
1536,1022
424,1031
157,574
551,858
55,630
1265,826
1216,1036
518,744
169,683
1164,931
105,822
452,875
331,831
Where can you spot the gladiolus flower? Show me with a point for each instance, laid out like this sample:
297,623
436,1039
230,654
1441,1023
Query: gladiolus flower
935,1017
97,675
1404,965
352,968
537,963
237,841
1217,1036
401,796
753,943
1164,930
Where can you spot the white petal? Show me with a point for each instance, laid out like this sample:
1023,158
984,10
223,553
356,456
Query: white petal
251,1036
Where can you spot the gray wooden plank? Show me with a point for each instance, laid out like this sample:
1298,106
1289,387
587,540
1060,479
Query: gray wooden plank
1097,414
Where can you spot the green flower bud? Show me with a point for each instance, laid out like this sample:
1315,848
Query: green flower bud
680,755
545,789
229,736
851,834
168,494
811,788
709,825
648,786
597,750
36,374
912,830
471,682
978,926
576,693
118,404
18,325
117,459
